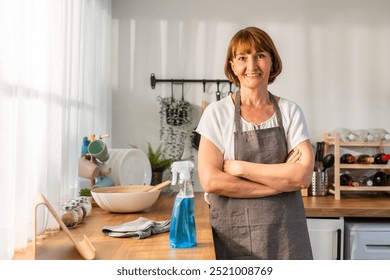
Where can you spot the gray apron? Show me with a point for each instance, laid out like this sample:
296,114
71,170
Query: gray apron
269,228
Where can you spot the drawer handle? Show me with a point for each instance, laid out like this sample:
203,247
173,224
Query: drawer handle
378,247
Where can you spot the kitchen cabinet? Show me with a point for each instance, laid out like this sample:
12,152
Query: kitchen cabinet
334,141
327,220
367,239
326,238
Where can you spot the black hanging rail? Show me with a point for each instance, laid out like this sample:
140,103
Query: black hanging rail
154,81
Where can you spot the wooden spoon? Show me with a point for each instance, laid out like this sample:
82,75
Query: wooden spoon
160,186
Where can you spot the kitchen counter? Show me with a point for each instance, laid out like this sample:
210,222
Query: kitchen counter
56,245
353,205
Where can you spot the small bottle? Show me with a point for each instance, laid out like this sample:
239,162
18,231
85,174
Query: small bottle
86,204
361,135
381,158
380,178
346,134
365,181
182,232
347,158
347,180
364,159
377,134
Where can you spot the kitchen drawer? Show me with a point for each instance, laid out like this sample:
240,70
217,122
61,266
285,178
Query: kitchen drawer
367,240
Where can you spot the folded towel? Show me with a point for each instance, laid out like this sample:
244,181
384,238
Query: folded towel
137,229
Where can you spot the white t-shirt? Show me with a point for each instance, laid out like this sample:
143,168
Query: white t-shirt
217,124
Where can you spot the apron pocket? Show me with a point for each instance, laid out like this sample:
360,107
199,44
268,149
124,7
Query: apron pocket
231,232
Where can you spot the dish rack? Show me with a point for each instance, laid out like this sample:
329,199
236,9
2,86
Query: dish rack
334,140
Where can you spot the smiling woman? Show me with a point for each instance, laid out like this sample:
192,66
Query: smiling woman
54,88
254,157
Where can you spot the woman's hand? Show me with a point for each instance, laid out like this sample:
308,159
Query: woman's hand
294,156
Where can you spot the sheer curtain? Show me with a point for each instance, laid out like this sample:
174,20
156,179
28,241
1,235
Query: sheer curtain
55,88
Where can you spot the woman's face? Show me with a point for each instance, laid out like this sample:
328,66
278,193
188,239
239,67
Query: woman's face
252,68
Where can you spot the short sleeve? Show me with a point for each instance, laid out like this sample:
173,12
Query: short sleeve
209,126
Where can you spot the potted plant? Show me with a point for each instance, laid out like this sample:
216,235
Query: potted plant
158,163
175,125
177,112
86,192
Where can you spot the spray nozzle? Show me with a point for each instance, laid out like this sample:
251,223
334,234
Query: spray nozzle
183,168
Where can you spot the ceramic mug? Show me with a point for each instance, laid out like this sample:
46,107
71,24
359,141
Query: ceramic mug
98,150
104,181
88,169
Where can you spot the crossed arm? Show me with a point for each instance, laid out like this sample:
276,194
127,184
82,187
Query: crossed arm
243,179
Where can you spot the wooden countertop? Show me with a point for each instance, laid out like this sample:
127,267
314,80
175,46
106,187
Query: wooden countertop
348,206
56,245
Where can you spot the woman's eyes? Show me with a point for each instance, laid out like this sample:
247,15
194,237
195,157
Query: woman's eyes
257,56
260,55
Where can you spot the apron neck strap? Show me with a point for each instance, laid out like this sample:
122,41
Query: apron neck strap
237,111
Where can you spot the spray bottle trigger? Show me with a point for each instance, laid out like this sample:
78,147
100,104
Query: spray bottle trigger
174,178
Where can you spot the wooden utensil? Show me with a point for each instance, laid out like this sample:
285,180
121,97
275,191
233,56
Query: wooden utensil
85,247
160,186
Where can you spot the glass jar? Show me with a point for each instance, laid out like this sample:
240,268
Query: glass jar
69,216
78,209
86,206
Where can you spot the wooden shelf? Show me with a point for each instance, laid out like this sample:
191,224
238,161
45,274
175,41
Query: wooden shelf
364,188
334,140
364,166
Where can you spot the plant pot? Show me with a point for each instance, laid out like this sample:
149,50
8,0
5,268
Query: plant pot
156,177
175,117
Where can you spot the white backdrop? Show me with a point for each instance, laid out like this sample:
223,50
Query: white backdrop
336,58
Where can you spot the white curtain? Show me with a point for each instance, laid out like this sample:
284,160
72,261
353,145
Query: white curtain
54,89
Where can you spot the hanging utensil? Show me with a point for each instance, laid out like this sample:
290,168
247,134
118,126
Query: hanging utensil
218,93
195,137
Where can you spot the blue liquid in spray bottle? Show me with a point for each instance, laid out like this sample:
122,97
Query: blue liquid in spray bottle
183,230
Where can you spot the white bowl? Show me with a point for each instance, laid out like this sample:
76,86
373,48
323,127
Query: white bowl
124,199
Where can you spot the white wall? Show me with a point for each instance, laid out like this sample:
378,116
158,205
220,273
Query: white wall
336,58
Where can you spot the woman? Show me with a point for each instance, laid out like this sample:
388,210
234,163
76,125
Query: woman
254,158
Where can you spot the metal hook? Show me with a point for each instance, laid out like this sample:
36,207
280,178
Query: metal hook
182,89
230,88
218,93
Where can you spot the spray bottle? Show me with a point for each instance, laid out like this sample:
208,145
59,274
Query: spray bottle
182,231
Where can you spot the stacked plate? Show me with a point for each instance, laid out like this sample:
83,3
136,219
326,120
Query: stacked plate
129,167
